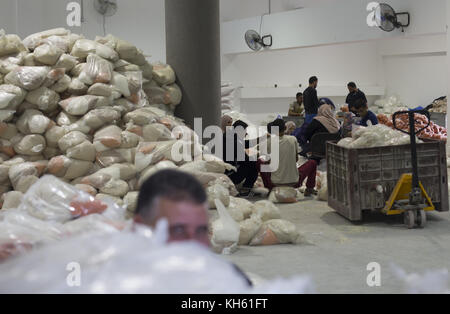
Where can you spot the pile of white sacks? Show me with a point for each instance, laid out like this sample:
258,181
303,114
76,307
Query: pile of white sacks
93,113
388,106
96,116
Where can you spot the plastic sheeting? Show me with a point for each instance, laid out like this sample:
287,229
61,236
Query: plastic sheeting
375,136
132,263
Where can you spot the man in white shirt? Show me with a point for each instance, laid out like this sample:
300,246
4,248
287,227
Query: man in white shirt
287,173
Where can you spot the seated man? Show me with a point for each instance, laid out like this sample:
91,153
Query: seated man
365,114
287,173
296,109
180,199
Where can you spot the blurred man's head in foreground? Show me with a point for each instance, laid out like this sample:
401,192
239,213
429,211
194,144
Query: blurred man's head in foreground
180,199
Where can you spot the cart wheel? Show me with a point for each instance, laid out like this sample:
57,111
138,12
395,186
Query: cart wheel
421,218
409,219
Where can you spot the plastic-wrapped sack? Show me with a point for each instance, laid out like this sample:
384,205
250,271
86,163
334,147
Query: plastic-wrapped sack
116,156
242,206
266,210
225,231
107,138
83,47
100,89
66,62
53,135
84,151
71,139
323,192
30,145
117,188
34,40
285,195
163,74
6,115
166,95
19,171
248,229
48,54
77,88
11,200
126,50
34,122
50,152
156,132
151,153
62,84
141,117
11,96
207,166
96,70
275,232
29,78
87,189
131,200
97,118
53,200
119,83
7,148
67,168
10,44
218,192
78,106
45,98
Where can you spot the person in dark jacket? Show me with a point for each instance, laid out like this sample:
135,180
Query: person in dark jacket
354,95
234,153
310,100
324,122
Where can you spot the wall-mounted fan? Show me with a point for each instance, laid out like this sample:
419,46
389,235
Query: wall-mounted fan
255,42
106,7
387,19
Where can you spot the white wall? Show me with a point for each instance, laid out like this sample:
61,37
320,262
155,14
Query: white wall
7,13
336,22
415,68
141,22
411,64
240,9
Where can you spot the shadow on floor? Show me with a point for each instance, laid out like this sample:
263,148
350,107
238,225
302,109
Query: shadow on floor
377,219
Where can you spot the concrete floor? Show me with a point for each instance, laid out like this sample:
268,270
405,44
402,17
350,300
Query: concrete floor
339,251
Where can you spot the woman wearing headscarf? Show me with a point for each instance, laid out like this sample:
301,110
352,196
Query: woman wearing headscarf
324,122
235,145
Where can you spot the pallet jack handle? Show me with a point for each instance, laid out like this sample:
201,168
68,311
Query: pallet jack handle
416,194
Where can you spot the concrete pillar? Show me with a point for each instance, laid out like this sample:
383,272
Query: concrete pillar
193,50
448,70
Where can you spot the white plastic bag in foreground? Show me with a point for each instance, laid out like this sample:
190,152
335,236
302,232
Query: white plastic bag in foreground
131,262
225,231
431,282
